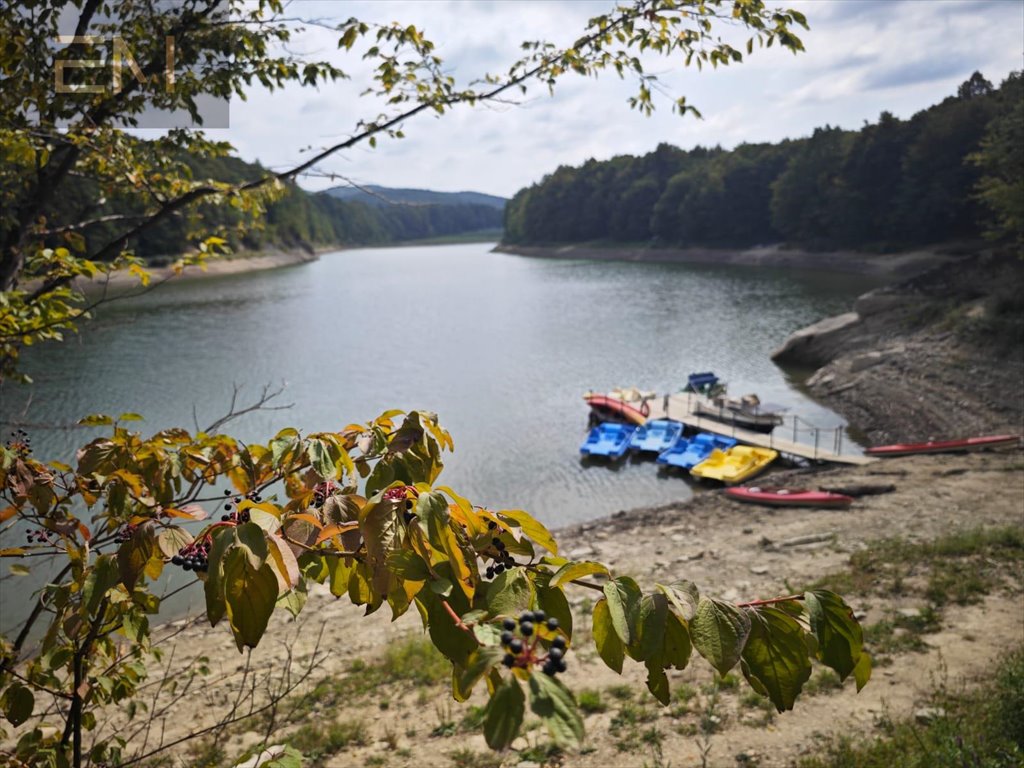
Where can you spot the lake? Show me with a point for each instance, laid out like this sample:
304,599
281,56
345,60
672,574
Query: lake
502,347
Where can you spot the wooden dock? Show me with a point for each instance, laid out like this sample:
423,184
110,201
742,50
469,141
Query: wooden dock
827,444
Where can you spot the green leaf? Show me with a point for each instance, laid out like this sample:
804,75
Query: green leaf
623,597
609,646
481,661
319,455
862,672
20,570
456,644
214,587
509,593
553,602
95,420
718,631
17,703
252,540
105,575
531,528
657,682
683,595
776,655
839,636
650,627
677,648
130,417
341,572
571,571
250,595
504,714
554,704
134,555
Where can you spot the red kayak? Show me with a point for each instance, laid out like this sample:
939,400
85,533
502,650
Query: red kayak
789,497
945,446
605,406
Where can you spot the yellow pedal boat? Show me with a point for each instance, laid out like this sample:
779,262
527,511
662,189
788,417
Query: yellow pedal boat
739,463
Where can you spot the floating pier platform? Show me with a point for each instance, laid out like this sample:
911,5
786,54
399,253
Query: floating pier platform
827,445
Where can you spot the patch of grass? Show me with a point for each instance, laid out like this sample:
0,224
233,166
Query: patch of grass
468,758
959,567
319,742
621,692
980,729
376,760
473,720
207,753
590,701
542,753
823,681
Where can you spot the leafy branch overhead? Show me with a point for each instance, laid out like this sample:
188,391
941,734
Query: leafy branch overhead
359,510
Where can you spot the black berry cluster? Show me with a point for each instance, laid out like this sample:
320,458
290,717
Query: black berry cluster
502,560
521,648
194,556
125,533
321,491
20,443
231,513
41,536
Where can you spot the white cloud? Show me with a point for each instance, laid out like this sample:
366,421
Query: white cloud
862,57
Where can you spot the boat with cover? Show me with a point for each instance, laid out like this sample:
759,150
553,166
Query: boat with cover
687,453
739,463
788,497
606,407
655,436
748,412
611,440
705,383
946,446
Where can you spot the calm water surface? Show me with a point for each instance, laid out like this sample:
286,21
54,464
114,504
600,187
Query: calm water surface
501,347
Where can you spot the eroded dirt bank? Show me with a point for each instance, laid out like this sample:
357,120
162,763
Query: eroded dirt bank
937,356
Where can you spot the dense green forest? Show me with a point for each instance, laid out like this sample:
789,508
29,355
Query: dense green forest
294,218
951,172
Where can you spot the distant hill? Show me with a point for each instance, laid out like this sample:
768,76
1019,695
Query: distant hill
297,219
372,194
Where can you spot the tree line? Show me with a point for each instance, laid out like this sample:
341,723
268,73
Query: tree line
952,172
292,217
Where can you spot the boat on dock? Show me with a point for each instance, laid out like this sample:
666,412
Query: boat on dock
789,497
687,453
608,439
986,443
735,465
748,412
613,407
705,383
655,436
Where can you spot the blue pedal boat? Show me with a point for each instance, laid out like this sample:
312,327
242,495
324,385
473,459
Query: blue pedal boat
656,436
611,440
687,454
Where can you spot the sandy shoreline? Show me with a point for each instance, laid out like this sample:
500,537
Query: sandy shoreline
855,262
733,551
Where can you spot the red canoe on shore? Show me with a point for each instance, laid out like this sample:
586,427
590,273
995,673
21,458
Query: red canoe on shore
609,406
789,497
945,446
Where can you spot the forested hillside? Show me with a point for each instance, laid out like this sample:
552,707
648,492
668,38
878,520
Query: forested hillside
951,172
294,218
372,194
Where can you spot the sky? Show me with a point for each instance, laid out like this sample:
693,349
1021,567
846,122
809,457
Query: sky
862,57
